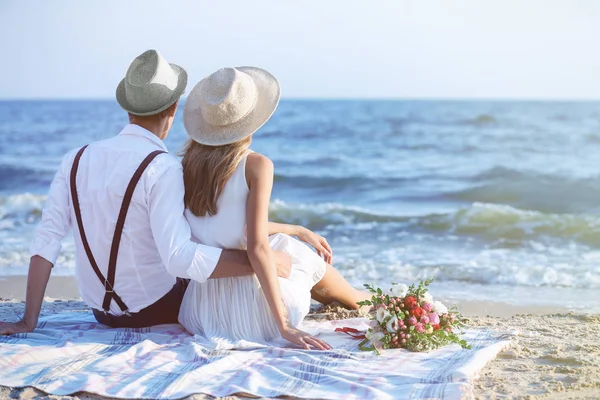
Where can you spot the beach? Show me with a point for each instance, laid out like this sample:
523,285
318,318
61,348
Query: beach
556,354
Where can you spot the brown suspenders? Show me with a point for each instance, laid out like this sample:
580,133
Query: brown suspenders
108,282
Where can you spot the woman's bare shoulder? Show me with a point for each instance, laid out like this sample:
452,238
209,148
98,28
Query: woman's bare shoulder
258,164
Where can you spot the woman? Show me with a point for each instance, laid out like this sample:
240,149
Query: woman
228,188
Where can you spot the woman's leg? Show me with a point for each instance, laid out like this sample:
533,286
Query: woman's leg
333,287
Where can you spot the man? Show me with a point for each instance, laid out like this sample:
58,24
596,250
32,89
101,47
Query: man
123,197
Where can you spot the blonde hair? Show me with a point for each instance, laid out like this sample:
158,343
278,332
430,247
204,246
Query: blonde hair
206,169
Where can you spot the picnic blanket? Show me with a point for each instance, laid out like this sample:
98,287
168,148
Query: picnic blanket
69,352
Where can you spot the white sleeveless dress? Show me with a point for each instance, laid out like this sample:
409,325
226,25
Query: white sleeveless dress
227,311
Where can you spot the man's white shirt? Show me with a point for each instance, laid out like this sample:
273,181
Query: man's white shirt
155,246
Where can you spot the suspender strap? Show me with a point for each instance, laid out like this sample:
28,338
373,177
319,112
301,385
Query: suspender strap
114,249
107,283
86,245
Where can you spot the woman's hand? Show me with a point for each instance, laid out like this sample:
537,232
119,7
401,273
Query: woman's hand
304,339
318,242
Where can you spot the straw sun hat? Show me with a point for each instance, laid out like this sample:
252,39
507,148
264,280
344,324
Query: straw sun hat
151,84
230,104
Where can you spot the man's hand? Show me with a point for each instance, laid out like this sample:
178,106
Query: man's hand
37,279
9,328
283,262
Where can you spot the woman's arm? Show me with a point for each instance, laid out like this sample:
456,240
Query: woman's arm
288,229
307,236
259,175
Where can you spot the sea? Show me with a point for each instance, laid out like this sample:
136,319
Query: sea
495,200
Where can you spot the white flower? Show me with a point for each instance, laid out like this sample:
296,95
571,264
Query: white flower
392,324
439,308
399,290
382,314
426,298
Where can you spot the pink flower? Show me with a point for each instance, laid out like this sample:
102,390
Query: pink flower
427,307
448,329
408,336
412,320
419,328
424,320
397,308
403,341
434,319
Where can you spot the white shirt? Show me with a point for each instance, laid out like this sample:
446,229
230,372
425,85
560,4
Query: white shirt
155,246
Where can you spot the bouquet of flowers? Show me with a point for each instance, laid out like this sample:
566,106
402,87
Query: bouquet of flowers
409,318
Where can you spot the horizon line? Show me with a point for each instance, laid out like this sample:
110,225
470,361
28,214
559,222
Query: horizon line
432,99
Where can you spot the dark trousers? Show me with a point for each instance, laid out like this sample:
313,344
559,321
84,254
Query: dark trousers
163,311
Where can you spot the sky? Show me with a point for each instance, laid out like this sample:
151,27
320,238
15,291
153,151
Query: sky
457,49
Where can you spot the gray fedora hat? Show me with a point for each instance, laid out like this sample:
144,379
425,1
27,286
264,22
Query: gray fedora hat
151,84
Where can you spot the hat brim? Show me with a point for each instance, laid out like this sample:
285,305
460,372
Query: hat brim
182,78
268,95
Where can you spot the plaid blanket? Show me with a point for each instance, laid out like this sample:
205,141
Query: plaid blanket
69,352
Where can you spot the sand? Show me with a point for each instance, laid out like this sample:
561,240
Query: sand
555,356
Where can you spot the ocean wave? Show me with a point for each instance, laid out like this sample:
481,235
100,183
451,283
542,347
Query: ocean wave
494,222
503,224
523,189
531,190
513,251
488,222
20,208
480,271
